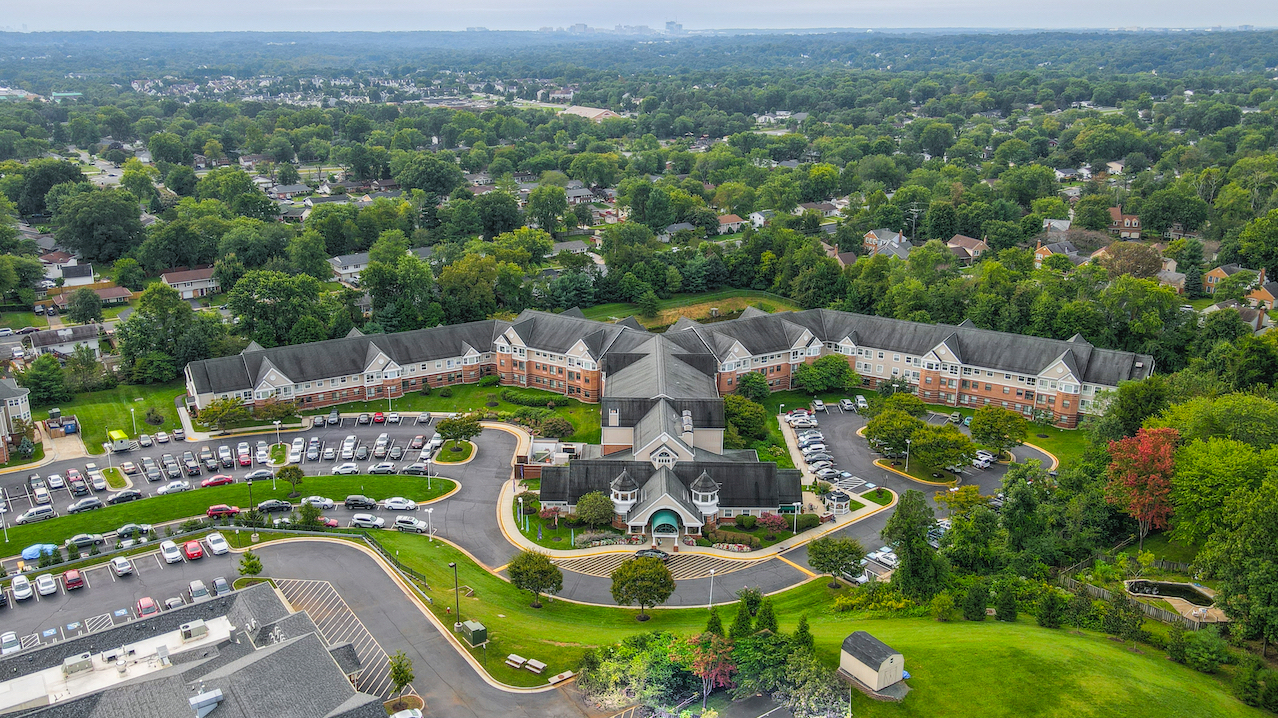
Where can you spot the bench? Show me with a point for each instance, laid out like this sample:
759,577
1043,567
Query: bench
561,677
535,665
515,661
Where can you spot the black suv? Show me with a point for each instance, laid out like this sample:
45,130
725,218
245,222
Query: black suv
270,505
356,501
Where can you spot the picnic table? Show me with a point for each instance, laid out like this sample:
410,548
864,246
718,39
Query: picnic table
515,661
535,665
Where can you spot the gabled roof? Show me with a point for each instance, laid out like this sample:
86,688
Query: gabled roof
660,419
190,275
76,271
867,649
65,335
664,483
742,483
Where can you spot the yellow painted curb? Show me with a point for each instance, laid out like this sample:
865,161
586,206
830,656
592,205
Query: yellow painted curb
786,560
1055,461
473,450
885,467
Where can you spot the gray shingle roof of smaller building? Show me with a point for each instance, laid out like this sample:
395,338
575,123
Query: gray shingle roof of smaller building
867,649
65,335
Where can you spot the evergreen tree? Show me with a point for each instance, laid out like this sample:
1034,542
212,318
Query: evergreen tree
1005,603
767,619
978,596
1051,609
744,624
802,640
715,624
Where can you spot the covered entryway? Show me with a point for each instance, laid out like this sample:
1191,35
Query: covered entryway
665,523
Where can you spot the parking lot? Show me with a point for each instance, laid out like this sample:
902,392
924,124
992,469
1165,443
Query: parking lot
106,600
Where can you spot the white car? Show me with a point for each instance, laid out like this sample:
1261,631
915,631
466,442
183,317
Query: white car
162,437
121,566
299,444
217,544
9,643
56,482
888,559
392,418
199,592
174,487
22,588
983,454
263,455
97,480
46,585
399,503
366,521
347,468
171,552
319,501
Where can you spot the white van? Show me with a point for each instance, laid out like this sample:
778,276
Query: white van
39,513
861,403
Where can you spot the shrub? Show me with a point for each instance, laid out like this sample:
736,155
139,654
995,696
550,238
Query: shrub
974,603
1051,609
773,522
751,597
556,427
532,502
745,522
446,392
524,398
1005,603
1177,643
942,607
734,537
808,521
490,380
1206,650
425,390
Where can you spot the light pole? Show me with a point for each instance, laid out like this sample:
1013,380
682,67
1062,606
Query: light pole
133,413
430,524
521,514
277,430
5,524
456,596
798,506
710,605
907,455
429,466
250,488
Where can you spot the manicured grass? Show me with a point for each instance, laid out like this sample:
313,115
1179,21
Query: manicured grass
959,668
551,536
37,455
1067,445
102,411
882,497
279,454
18,320
694,306
114,477
922,473
470,397
1163,547
454,451
158,509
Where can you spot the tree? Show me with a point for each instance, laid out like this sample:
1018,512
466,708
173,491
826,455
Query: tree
1242,553
223,413
644,581
998,428
1078,611
38,177
802,640
648,303
835,556
944,445
401,671
534,572
743,624
767,618
905,402
459,429
546,204
921,572
293,475
827,374
1134,258
749,418
1005,602
709,657
129,274
1123,617
595,509
942,607
429,173
753,386
309,255
287,174
101,225
308,517
1208,474
891,429
84,306
975,601
1140,473
1172,206
715,624
250,564
1092,213
498,213
46,381
1258,242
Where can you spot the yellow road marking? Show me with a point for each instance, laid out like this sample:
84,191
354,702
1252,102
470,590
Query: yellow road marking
809,573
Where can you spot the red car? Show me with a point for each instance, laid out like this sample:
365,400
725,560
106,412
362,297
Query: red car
379,418
329,523
218,480
222,511
147,607
418,442
193,550
73,579
246,460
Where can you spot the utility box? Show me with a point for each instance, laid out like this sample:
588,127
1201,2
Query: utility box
119,440
193,631
475,632
77,664
55,417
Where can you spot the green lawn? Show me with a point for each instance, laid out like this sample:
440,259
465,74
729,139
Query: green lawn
880,496
922,473
18,320
470,397
724,299
36,455
158,509
551,536
1163,547
454,451
114,477
102,411
958,668
1067,445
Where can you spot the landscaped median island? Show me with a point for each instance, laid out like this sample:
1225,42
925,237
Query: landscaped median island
171,507
452,452
988,668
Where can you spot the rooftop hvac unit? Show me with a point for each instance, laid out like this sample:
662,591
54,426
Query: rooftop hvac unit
204,703
77,664
193,631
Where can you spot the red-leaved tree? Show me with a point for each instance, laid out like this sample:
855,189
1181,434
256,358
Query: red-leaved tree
708,657
1140,473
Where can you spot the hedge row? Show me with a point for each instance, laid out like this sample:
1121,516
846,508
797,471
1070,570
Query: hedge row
734,537
528,399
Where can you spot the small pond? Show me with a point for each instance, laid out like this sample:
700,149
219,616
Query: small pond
1167,589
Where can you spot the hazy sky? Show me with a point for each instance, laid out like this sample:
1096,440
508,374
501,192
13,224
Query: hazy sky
305,15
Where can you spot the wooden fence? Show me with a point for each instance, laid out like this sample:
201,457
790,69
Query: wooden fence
1153,612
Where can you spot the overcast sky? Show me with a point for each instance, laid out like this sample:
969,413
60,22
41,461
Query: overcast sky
310,15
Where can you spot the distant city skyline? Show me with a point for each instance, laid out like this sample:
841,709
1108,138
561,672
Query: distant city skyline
387,15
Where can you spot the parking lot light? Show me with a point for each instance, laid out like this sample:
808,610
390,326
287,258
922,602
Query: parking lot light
456,597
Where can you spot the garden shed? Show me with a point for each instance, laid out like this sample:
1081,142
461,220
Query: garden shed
871,661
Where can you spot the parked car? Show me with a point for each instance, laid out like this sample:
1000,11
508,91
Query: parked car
46,584
173,602
399,503
225,457
361,452
818,405
129,531
21,588
359,501
392,418
145,440
652,553
174,487
98,481
396,453
84,541
271,505
416,469
367,521
259,475
34,514
956,417
382,468
72,580
847,405
222,511
319,501
147,606
171,552
410,524
967,421
346,469
125,496
364,419
198,592
217,544
193,550
88,504
418,442
161,437
379,418
121,566
218,480
9,643
334,417
220,586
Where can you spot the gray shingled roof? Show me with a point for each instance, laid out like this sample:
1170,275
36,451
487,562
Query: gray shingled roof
663,483
9,389
868,649
661,418
65,335
744,484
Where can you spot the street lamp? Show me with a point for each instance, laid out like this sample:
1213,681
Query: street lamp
429,465
133,413
710,605
277,430
456,596
907,455
521,514
5,524
798,506
250,488
430,524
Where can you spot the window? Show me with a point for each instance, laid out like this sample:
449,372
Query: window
1007,390
878,368
896,357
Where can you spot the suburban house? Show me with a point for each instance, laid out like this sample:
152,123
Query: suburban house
672,229
594,114
871,662
193,283
342,187
1257,319
730,223
886,241
1070,173
1116,167
64,341
16,406
316,201
243,653
761,217
1265,295
249,162
109,295
1043,251
575,246
77,275
287,191
1219,274
1126,226
1057,226
825,209
1175,280
347,267
967,249
54,262
579,195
